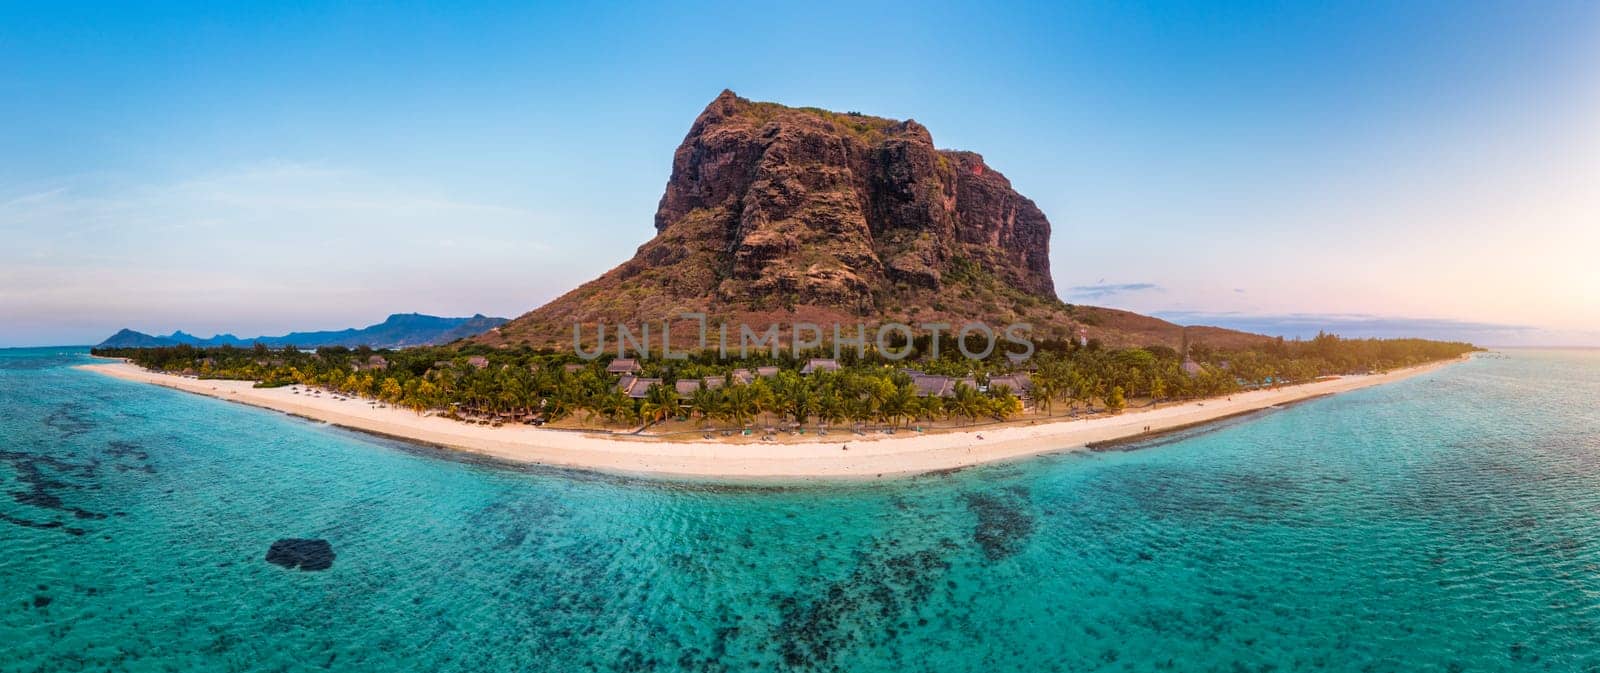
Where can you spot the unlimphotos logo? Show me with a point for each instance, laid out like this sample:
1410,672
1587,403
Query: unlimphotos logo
892,340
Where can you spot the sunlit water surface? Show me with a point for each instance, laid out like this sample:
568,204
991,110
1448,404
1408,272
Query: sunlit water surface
1450,522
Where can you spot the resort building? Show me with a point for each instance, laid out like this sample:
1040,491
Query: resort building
746,377
635,387
686,387
940,386
623,366
1020,385
478,361
929,386
820,365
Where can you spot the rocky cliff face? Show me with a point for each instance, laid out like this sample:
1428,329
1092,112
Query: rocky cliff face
813,207
780,214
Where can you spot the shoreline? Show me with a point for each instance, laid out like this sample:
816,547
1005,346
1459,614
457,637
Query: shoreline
870,457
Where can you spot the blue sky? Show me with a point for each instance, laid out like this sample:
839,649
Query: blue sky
1399,167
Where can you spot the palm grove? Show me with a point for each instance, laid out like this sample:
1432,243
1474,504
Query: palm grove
526,385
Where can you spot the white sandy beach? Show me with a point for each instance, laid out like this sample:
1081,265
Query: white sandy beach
870,457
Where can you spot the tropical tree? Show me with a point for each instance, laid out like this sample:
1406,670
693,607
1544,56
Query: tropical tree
967,402
830,407
901,404
660,403
740,403
1003,404
930,408
877,393
1115,402
707,403
1045,391
390,391
616,407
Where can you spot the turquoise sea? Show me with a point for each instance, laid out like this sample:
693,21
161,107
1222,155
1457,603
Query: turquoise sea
1450,522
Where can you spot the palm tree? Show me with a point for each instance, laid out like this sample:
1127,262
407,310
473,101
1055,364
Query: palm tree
1115,401
858,410
927,408
612,404
707,402
878,392
800,403
762,397
1044,393
901,404
660,403
967,402
391,391
1079,391
830,408
1003,404
739,403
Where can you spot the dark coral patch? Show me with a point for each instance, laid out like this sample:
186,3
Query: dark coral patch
302,554
858,610
1004,524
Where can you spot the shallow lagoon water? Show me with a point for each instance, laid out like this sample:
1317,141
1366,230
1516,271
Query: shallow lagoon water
1450,522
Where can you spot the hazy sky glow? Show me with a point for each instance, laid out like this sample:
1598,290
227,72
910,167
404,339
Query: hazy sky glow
1382,168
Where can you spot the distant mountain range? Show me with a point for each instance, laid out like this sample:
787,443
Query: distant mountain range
400,330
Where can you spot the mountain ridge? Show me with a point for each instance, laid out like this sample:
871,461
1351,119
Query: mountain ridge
399,330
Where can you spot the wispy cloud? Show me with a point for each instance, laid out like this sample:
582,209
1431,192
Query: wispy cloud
1102,290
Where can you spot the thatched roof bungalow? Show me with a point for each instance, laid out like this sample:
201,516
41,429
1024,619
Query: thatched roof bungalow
635,387
940,386
1019,384
624,366
933,386
820,365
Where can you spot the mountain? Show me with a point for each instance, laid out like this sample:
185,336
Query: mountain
400,330
775,214
127,338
